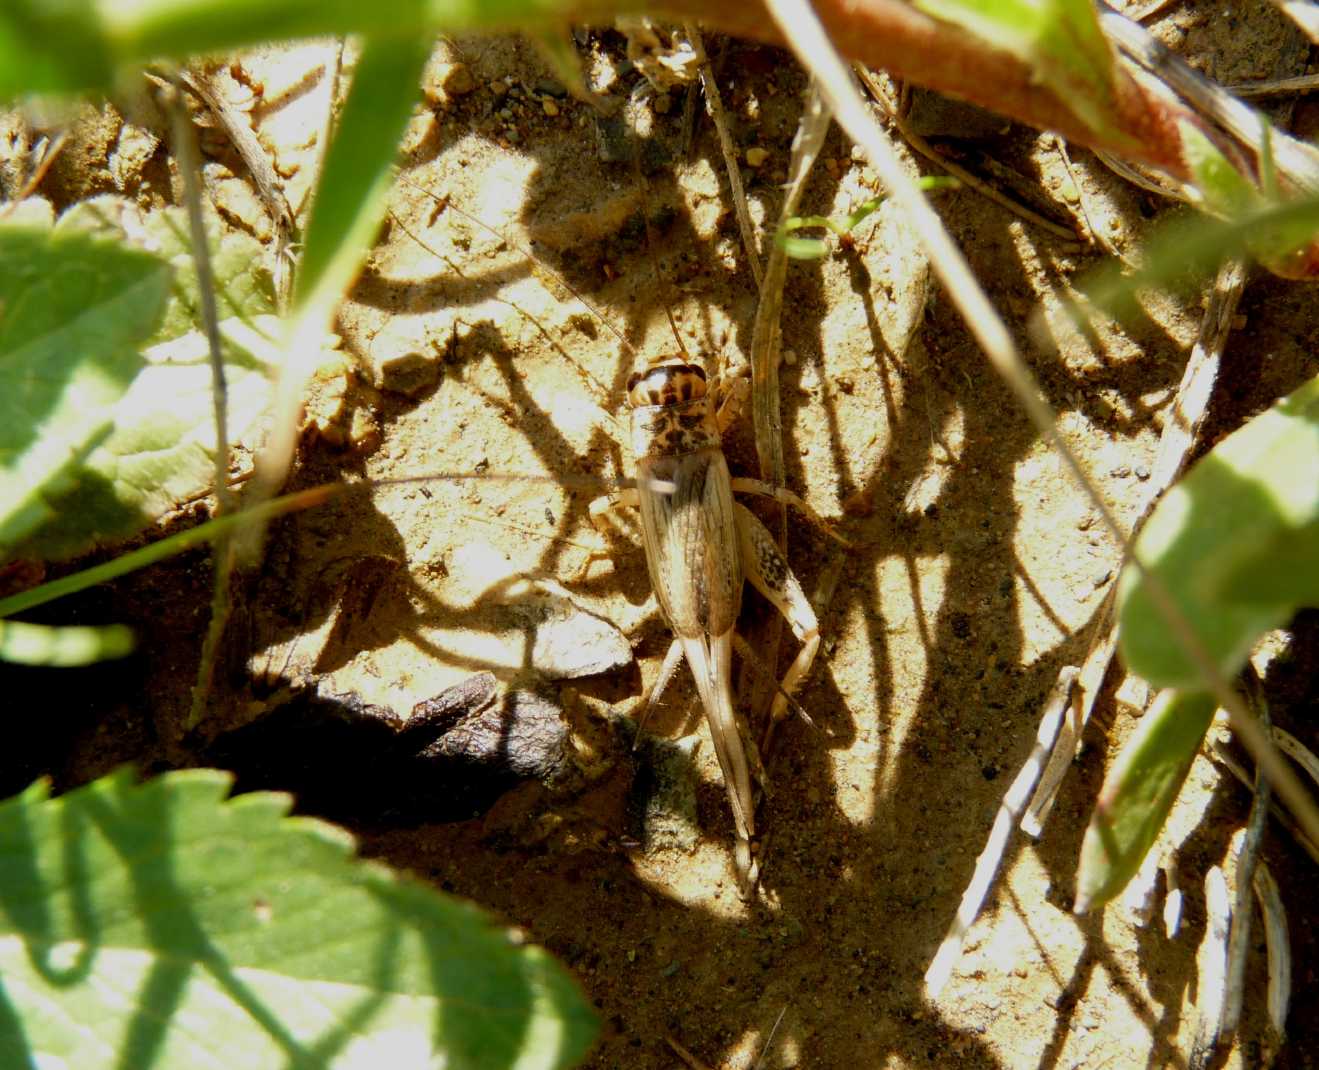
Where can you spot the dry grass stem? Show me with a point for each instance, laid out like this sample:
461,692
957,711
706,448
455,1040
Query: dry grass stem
1211,977
716,108
1180,433
1278,944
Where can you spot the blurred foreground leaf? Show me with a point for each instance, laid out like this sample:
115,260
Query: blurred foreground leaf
73,310
161,925
1236,543
41,644
1139,792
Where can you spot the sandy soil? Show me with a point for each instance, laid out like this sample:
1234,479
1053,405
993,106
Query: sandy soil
977,569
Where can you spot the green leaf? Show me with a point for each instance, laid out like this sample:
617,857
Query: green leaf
799,248
1138,793
157,441
1225,190
1192,243
358,170
39,644
81,44
243,286
160,450
159,925
1060,40
73,310
1236,543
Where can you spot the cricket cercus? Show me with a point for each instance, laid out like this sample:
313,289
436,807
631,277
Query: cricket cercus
700,545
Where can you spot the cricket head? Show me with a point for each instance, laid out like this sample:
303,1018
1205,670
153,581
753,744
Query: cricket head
671,382
672,410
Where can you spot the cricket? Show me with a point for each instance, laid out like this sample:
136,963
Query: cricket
700,546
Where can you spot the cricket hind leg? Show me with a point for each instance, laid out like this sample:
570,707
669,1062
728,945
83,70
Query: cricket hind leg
711,660
765,567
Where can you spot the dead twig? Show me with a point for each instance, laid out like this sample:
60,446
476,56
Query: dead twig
766,414
1219,752
686,1056
1211,975
1278,945
1275,87
1247,855
716,108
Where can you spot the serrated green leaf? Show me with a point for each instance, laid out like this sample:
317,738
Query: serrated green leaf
73,310
159,925
1060,40
160,450
242,284
1233,543
1138,793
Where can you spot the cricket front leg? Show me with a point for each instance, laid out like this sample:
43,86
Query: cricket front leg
767,570
600,508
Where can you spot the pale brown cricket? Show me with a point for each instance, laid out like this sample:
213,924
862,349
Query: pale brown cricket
700,545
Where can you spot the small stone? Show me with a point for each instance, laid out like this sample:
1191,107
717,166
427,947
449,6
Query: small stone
571,642
1142,472
409,374
756,156
549,107
455,79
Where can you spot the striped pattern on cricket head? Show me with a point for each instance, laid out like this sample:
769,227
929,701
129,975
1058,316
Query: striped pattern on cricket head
673,410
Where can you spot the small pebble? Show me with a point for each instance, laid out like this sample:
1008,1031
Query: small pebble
456,80
551,109
1142,473
756,156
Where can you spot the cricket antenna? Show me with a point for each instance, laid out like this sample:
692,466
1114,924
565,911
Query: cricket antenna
650,249
445,204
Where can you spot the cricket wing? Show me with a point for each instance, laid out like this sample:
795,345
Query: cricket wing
690,531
